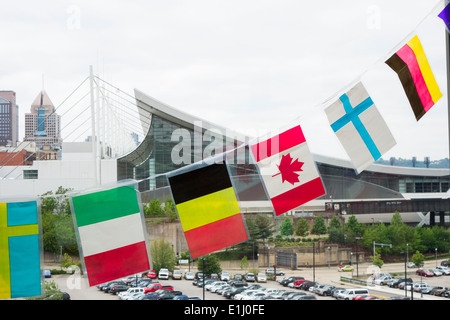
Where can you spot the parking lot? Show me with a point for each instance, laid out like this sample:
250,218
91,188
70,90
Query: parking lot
78,289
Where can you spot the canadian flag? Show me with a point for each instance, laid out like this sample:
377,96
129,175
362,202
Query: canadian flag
288,170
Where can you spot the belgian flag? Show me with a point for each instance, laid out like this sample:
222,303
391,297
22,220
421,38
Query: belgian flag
208,209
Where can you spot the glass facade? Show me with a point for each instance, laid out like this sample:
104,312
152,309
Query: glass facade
153,158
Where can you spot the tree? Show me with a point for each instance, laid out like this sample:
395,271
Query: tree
319,226
336,230
169,209
302,228
57,224
212,265
244,263
352,229
163,255
153,208
417,258
377,260
287,228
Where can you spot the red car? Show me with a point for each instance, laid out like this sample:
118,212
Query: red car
151,274
425,272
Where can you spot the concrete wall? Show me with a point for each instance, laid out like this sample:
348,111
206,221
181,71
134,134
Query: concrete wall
173,233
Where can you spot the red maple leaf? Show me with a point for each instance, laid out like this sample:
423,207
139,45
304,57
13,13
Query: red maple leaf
287,169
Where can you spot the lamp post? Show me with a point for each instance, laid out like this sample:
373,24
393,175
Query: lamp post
314,261
404,253
435,255
351,262
203,286
329,252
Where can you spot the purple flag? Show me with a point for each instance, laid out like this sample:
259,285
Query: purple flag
445,15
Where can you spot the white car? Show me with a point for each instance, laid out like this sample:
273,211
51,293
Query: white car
253,294
213,289
189,275
351,293
134,296
163,274
419,286
383,280
437,272
245,293
125,294
444,270
224,276
215,283
261,277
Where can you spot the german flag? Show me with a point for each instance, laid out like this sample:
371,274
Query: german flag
414,71
208,209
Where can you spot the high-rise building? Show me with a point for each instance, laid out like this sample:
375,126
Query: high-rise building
42,124
9,119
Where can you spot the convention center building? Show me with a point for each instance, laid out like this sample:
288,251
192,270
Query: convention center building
420,195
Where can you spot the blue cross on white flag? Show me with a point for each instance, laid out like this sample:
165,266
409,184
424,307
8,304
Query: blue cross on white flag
360,127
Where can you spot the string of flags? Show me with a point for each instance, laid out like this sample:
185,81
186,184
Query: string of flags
109,223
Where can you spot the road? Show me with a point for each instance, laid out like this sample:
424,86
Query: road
78,288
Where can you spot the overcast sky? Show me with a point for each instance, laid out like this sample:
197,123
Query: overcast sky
251,65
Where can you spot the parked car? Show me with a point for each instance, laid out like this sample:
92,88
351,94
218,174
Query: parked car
291,295
317,288
307,284
436,272
238,283
438,290
118,288
224,276
155,287
383,280
325,290
214,284
272,271
336,291
420,286
198,275
350,293
188,275
249,277
396,282
214,276
408,286
288,280
163,294
427,290
111,284
297,283
444,270
233,291
244,294
445,263
185,297
176,275
151,274
163,274
424,273
238,277
261,277
305,297
125,294
142,283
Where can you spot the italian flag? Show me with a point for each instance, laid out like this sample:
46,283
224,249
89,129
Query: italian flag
111,234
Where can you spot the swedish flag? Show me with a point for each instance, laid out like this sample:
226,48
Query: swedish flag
20,257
